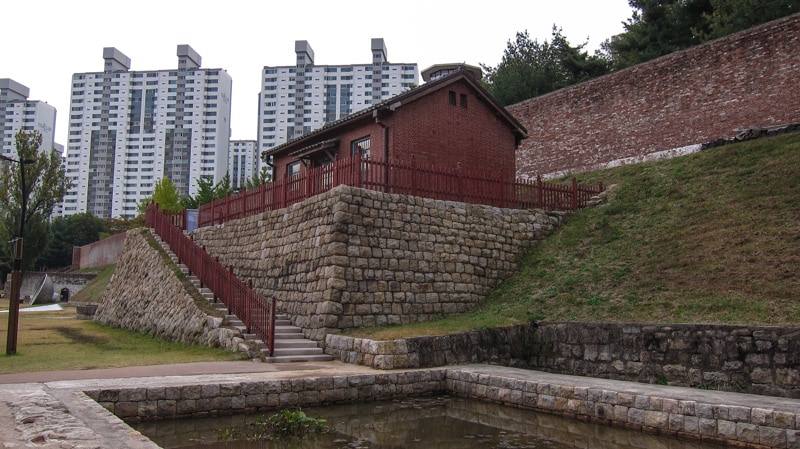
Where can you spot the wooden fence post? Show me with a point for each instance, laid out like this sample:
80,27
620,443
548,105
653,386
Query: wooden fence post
413,176
248,317
539,192
502,189
229,290
574,194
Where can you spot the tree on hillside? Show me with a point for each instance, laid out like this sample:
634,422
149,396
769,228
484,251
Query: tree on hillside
68,232
223,187
205,193
262,177
657,28
45,186
730,16
165,195
112,226
530,68
660,27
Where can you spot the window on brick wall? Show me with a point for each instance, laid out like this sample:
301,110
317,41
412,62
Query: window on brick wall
362,145
464,100
293,169
452,97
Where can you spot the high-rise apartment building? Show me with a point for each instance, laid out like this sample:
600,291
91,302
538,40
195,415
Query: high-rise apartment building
243,161
128,129
300,98
17,112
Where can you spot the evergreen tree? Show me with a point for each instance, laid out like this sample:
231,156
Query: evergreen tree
529,68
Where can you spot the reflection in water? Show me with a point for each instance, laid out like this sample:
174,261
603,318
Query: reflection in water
428,422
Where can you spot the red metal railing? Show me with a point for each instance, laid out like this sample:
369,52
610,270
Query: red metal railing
257,313
403,177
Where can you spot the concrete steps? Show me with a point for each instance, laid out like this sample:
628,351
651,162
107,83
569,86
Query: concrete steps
290,344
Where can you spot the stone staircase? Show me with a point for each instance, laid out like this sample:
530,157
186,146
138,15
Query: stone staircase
290,344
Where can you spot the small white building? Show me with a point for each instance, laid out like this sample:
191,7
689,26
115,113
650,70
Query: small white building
128,129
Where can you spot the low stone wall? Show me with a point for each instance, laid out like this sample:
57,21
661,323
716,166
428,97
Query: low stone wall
354,257
736,421
143,403
758,360
145,295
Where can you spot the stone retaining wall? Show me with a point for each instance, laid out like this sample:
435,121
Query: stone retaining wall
354,257
664,411
145,295
752,359
143,403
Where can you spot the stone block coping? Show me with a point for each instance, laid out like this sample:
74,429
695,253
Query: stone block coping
92,413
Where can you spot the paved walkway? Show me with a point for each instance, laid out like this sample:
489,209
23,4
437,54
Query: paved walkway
180,369
47,409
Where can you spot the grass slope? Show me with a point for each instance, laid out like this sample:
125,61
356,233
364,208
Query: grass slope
710,237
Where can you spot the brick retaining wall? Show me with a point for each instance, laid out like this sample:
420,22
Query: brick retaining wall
690,97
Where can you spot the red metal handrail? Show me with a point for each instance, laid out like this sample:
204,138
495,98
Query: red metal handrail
403,177
257,313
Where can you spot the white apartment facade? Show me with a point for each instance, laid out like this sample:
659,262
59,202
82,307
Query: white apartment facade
243,162
297,99
128,129
19,113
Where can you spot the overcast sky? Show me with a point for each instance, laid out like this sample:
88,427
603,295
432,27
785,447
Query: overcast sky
46,41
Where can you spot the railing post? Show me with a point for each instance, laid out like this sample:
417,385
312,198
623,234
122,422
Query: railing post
502,189
539,192
271,331
413,176
574,194
307,185
229,290
459,182
248,313
358,167
217,286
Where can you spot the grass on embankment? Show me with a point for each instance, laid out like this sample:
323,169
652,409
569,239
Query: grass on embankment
93,291
712,237
48,341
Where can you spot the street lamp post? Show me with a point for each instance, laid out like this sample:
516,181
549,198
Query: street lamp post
16,273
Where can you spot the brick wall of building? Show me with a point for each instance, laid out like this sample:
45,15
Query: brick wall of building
690,97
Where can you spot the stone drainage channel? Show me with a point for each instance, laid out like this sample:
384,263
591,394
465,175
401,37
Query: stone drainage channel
92,413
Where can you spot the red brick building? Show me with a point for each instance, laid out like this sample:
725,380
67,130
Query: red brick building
446,122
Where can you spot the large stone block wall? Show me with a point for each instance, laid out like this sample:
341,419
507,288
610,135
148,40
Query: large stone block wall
354,257
690,97
145,295
752,359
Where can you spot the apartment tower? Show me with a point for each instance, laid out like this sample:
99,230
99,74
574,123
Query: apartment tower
19,113
297,99
128,129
